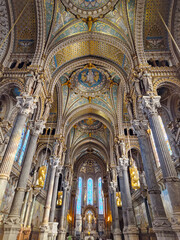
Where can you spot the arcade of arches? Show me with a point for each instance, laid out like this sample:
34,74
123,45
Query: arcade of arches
89,119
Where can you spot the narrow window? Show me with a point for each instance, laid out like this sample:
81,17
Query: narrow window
100,196
90,191
78,209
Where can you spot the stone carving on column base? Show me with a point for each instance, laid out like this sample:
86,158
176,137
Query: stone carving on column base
61,234
53,230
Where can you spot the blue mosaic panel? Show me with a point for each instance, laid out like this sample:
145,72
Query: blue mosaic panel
100,196
78,209
90,191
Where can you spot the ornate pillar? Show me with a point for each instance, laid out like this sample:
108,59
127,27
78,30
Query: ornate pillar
44,228
55,191
161,225
150,105
116,226
15,212
63,217
123,199
131,231
26,105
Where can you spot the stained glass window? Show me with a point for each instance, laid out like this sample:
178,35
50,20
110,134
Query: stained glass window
90,191
78,209
165,135
100,196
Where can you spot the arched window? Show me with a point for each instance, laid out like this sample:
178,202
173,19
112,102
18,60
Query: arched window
90,191
22,146
100,196
78,209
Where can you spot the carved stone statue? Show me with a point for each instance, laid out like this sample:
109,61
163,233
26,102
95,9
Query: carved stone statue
30,79
46,111
130,109
122,148
147,82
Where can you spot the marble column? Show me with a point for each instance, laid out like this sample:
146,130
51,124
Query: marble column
26,106
172,182
123,199
15,212
161,225
116,226
44,228
131,231
35,194
63,217
55,191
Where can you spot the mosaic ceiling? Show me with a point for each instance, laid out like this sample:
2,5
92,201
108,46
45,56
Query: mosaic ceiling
93,8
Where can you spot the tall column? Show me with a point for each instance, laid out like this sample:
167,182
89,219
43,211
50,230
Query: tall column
161,225
116,226
63,217
16,207
123,199
54,197
131,231
150,105
44,228
26,105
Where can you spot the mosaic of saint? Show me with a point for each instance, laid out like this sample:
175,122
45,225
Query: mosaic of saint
89,4
90,80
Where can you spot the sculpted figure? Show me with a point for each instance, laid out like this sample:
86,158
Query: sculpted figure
136,83
46,111
122,148
147,82
130,109
30,78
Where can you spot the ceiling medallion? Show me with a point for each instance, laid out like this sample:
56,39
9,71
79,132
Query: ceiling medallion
90,81
86,8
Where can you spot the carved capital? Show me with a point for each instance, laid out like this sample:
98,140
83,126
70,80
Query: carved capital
66,185
37,127
150,104
26,104
140,127
123,163
54,161
113,186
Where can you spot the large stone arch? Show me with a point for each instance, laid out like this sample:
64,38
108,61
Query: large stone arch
86,37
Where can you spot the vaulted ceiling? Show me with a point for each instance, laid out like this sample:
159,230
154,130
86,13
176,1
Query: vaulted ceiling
88,51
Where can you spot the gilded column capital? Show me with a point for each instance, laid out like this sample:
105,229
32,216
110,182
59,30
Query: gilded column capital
140,127
150,104
25,104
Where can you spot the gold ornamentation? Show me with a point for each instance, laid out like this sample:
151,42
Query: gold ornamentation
59,198
41,176
118,199
134,175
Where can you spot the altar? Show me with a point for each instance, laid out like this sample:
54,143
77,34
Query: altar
88,238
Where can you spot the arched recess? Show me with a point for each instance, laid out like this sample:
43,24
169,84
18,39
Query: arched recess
79,162
86,111
89,37
77,63
84,145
